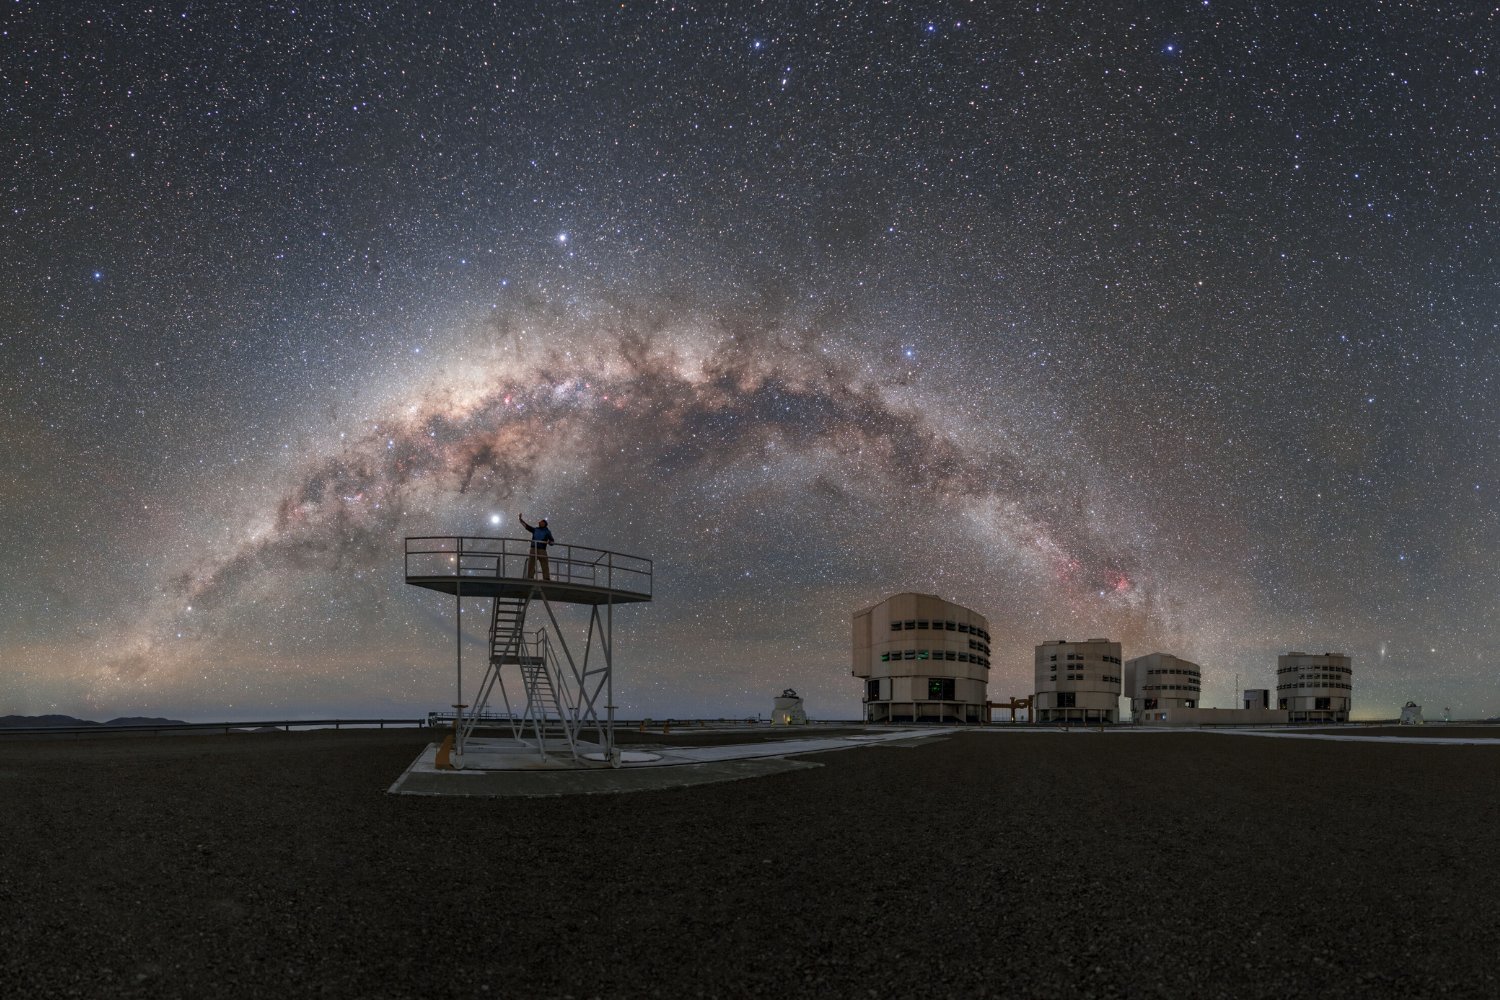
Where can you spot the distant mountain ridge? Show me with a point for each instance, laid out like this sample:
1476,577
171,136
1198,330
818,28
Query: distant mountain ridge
60,721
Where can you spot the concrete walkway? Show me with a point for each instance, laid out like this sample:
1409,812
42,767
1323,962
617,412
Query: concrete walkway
1280,734
1464,741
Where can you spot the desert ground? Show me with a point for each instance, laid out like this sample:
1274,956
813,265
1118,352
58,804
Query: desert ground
1116,864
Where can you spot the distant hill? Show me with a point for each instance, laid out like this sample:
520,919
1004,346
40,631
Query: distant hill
143,720
59,721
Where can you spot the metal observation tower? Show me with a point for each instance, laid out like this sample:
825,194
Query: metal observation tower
546,686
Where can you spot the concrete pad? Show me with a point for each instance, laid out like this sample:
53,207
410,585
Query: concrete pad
781,748
577,781
509,767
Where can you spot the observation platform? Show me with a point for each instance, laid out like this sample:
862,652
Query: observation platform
496,567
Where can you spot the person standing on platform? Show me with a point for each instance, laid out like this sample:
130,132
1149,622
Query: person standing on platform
541,537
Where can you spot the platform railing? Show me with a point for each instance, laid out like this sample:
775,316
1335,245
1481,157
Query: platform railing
156,728
474,557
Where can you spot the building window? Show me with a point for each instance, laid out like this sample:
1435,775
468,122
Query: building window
1322,704
872,689
923,654
962,627
940,688
922,623
885,657
896,626
1067,699
909,654
950,626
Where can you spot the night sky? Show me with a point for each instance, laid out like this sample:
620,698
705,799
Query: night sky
1173,323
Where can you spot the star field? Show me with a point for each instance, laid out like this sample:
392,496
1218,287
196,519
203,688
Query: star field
1175,325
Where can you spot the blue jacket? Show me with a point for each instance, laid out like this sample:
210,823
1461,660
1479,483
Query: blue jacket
539,536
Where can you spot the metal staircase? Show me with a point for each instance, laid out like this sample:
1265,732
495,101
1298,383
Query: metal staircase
542,702
507,627
542,679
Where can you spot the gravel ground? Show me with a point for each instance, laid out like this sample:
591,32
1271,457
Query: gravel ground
1038,865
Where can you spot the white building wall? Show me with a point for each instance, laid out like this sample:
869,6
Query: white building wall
1315,687
1212,717
1078,681
1160,681
923,659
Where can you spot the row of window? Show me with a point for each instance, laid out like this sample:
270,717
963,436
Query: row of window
1166,670
1171,687
1106,678
1079,657
938,689
942,626
976,644
1319,704
934,654
1315,687
1321,666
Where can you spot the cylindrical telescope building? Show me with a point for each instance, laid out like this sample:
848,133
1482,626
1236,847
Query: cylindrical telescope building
1314,687
924,659
1077,681
1159,681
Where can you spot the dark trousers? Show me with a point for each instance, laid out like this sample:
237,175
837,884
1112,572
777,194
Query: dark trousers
538,555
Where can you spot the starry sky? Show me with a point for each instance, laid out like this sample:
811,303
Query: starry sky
1172,322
